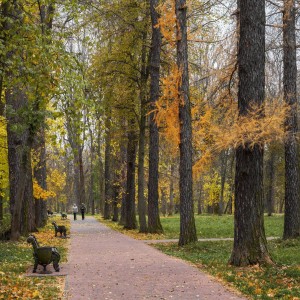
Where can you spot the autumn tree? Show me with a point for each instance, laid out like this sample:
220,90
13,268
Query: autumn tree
292,203
187,220
154,225
20,128
250,245
46,13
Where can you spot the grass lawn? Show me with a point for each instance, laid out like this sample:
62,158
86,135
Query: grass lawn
208,226
16,258
280,281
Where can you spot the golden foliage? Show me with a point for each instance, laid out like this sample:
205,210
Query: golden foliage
220,127
4,181
259,126
40,193
167,107
167,23
56,182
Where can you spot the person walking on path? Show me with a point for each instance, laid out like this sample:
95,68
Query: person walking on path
116,267
82,209
75,211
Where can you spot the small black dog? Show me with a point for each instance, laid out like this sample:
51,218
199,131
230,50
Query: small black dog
49,212
60,228
64,216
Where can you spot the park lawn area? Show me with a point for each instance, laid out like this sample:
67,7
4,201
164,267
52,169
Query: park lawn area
213,226
16,258
208,226
280,281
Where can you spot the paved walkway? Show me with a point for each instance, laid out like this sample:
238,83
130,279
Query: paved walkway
104,264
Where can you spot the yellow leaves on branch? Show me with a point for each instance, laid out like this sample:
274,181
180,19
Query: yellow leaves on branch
220,127
56,182
167,107
4,156
167,23
40,193
259,126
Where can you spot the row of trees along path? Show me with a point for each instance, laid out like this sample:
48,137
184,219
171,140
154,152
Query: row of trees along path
104,264
36,88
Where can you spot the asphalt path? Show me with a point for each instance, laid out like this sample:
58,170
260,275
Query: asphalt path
105,264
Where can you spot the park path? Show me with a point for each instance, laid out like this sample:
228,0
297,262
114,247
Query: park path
104,264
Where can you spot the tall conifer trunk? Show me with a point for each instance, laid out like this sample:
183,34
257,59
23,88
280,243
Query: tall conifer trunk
141,154
130,218
187,219
250,245
107,171
270,186
154,225
292,201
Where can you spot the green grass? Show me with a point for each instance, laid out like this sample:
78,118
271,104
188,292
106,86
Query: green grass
281,281
211,226
16,258
208,226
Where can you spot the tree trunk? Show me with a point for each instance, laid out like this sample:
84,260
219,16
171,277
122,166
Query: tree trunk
187,220
163,201
250,245
107,170
101,171
292,203
20,172
200,193
141,154
115,169
40,171
171,203
81,175
92,196
123,155
130,218
154,225
270,170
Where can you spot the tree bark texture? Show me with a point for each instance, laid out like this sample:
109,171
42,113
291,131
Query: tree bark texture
20,172
115,169
199,197
123,155
250,245
77,148
270,183
187,219
171,197
130,219
154,225
107,171
101,180
91,194
292,201
142,209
